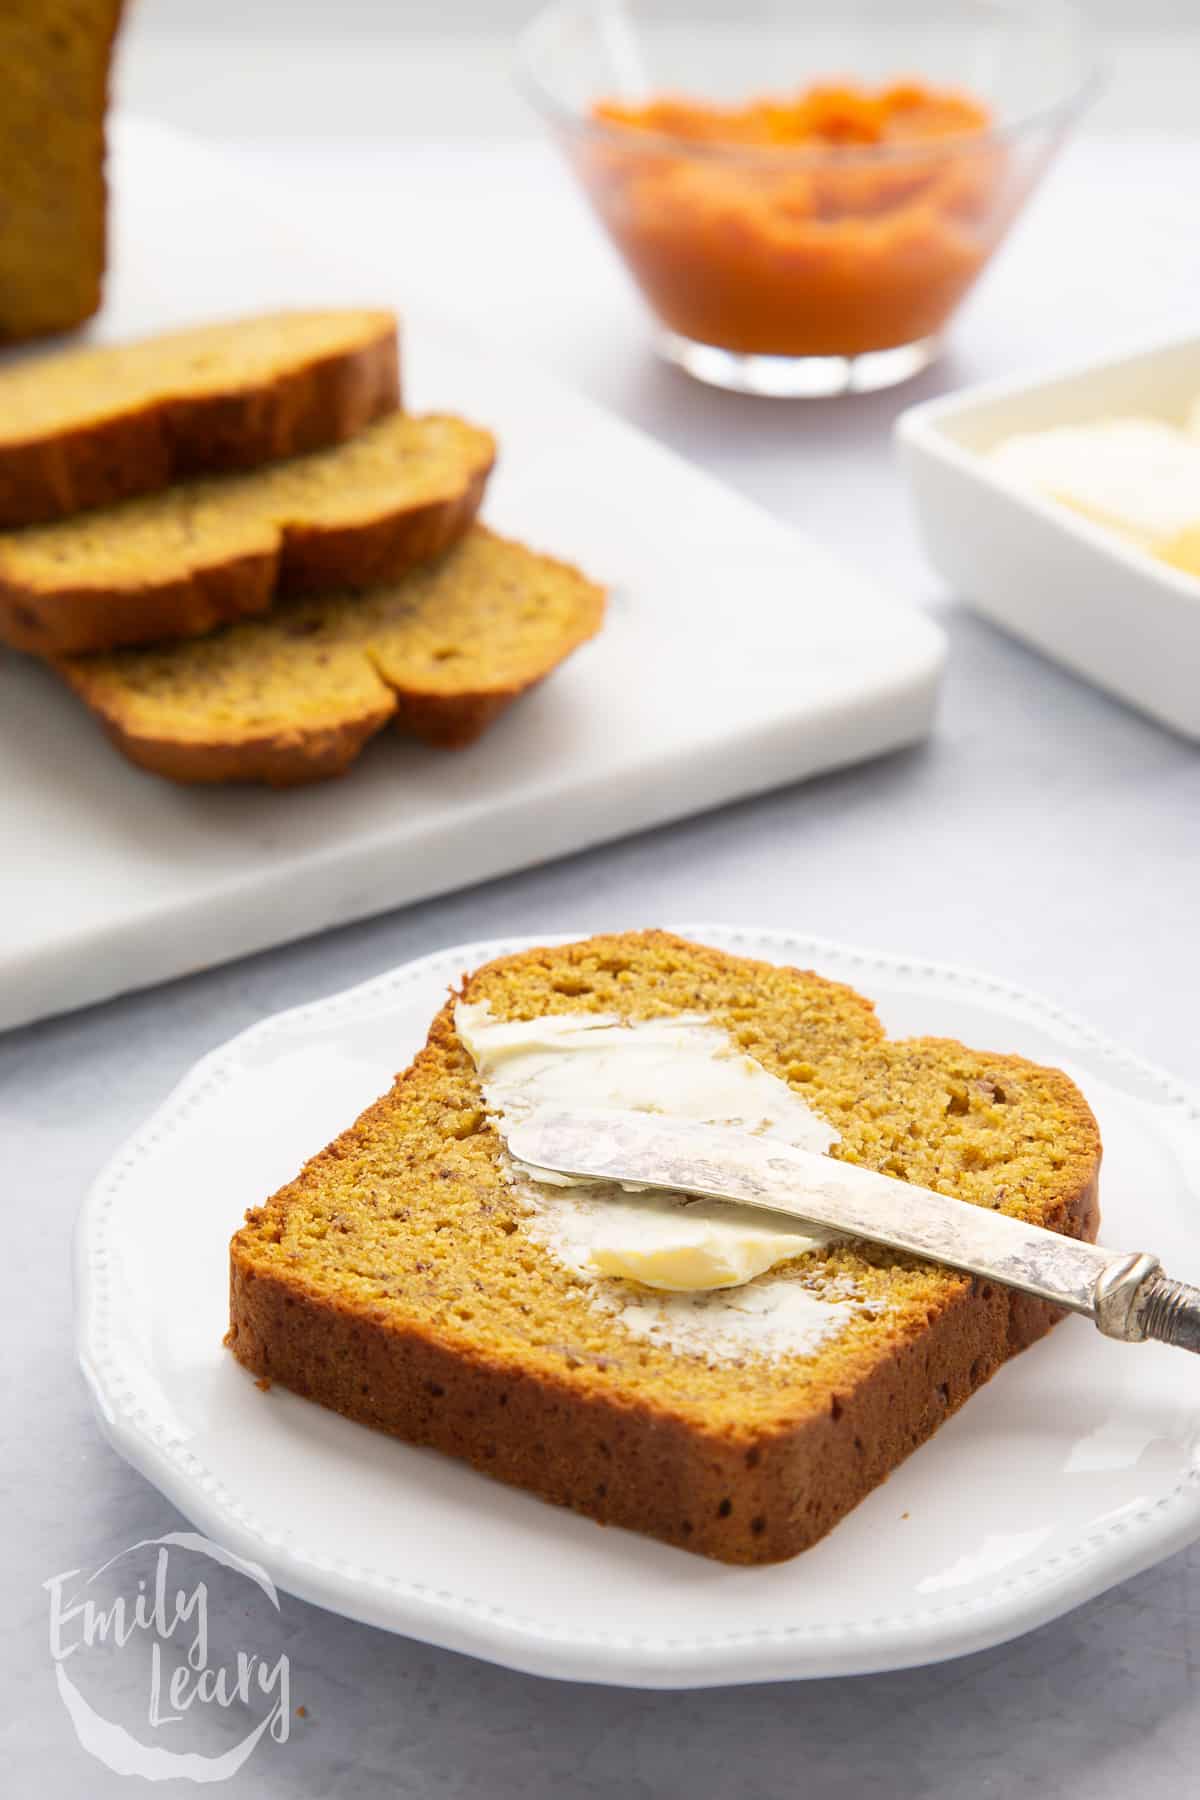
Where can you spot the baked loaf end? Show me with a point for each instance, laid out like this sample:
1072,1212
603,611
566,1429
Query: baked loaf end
395,1279
55,56
91,427
179,563
294,696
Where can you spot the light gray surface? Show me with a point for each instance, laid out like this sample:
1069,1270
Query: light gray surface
915,852
1045,834
436,68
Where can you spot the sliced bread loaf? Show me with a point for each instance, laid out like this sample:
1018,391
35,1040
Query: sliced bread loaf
91,427
178,563
294,696
55,57
402,1281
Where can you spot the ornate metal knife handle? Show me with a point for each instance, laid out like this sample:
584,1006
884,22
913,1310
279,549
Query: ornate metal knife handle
1134,1301
1170,1311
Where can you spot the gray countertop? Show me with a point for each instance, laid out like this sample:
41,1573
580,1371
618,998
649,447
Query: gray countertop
1046,834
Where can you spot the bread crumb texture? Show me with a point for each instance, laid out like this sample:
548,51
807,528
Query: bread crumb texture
90,427
396,1281
76,387
55,55
296,694
202,553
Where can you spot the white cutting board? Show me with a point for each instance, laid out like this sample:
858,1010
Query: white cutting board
736,656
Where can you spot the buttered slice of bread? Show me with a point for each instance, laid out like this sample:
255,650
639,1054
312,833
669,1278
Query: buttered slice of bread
86,428
405,1280
294,696
178,563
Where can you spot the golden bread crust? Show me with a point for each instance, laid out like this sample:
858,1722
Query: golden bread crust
168,709
137,448
57,55
50,616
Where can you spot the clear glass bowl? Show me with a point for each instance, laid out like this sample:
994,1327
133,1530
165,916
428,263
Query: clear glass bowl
800,269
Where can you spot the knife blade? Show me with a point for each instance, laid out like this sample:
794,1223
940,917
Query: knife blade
1125,1294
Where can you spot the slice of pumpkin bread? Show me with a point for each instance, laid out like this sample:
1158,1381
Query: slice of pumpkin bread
178,563
91,427
294,696
56,57
402,1281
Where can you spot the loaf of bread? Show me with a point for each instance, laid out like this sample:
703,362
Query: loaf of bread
399,1279
294,696
178,563
54,65
91,427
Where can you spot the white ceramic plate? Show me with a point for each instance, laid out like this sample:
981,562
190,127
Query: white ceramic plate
1072,589
1077,1466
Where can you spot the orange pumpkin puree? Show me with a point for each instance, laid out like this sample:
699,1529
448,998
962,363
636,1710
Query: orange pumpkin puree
829,254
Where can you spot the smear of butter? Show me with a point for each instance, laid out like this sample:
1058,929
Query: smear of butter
773,1316
1139,477
685,1067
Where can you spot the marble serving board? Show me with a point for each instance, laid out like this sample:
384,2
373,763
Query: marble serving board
736,657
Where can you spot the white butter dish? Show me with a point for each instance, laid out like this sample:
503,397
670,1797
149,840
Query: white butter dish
1077,591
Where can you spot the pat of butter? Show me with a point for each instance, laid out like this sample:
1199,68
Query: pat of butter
686,1248
1139,477
684,1067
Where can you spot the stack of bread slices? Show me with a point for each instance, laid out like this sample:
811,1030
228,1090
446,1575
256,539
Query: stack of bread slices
246,559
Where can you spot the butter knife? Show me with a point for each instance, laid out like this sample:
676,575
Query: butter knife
1126,1296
